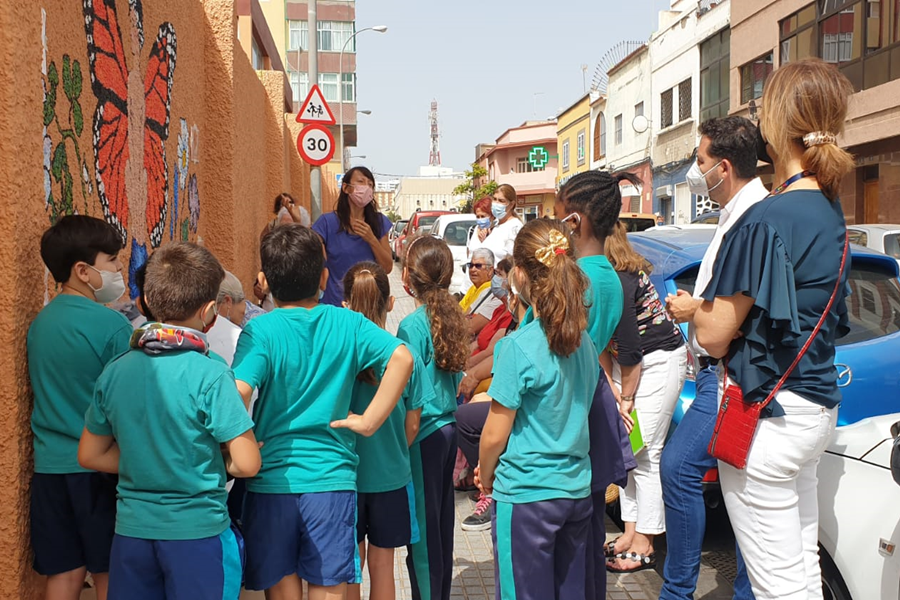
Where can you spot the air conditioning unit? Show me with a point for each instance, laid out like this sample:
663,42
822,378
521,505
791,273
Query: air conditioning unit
664,191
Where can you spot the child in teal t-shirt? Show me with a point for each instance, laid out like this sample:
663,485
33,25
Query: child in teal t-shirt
159,416
73,509
535,443
437,333
385,499
304,357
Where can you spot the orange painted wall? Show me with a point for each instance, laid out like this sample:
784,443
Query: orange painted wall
230,149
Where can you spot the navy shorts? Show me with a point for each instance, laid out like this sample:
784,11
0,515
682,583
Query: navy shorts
311,535
205,569
73,520
388,519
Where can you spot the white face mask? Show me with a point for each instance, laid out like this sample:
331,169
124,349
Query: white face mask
111,288
696,180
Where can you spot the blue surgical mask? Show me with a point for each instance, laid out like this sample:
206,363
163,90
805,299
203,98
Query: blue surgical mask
498,287
498,210
483,223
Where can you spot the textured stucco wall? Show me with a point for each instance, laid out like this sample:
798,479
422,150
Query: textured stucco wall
228,152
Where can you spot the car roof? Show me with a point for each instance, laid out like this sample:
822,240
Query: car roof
452,217
885,227
674,250
429,213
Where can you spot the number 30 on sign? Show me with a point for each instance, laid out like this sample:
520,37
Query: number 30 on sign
315,144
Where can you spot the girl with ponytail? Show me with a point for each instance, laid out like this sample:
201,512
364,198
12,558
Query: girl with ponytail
779,270
589,204
534,447
383,477
437,333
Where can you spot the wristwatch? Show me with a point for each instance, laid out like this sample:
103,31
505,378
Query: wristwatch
626,398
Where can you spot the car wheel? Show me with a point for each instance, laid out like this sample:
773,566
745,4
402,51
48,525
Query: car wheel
833,586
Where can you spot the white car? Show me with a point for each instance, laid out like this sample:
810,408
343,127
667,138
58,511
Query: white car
454,229
859,512
884,238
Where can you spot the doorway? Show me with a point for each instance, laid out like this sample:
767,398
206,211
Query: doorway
870,194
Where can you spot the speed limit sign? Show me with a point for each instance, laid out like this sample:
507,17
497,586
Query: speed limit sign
316,144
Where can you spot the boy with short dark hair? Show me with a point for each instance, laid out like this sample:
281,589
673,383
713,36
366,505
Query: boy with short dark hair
73,509
300,510
159,414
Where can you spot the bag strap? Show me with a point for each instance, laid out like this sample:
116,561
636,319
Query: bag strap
837,287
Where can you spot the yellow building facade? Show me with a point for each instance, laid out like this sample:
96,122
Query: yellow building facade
573,130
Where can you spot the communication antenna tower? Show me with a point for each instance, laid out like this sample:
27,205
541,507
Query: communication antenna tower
434,158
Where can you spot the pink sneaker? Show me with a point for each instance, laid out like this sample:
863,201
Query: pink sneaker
480,519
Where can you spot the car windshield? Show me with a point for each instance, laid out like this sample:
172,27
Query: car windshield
426,221
873,305
457,233
892,245
634,224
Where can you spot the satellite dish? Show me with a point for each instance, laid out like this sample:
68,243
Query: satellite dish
640,124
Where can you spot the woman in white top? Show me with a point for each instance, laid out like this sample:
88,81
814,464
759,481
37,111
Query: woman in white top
503,235
484,223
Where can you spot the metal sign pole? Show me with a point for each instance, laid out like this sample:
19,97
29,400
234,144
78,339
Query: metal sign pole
315,173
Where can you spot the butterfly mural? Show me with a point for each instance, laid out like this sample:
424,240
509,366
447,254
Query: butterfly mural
131,123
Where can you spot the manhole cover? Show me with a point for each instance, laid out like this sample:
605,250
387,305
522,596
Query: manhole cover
723,561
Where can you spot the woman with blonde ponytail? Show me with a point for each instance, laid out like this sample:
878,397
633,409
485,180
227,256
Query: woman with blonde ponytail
385,511
534,448
777,272
437,333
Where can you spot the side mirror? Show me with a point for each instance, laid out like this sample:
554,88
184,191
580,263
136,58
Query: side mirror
895,453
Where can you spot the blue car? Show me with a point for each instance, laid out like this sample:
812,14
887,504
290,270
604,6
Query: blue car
866,359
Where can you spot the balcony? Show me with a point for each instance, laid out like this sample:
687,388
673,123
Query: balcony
528,183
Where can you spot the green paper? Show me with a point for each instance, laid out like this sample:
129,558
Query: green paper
637,440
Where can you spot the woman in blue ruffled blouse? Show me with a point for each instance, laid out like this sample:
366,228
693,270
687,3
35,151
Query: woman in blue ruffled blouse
772,281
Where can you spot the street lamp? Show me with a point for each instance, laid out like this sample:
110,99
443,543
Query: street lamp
379,29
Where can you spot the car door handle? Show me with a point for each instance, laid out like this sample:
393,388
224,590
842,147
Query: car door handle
844,375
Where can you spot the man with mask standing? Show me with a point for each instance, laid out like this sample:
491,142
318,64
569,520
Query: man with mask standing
725,171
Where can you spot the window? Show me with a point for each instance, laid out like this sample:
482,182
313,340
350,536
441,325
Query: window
334,34
798,35
580,148
600,137
257,59
349,87
684,100
715,62
639,109
753,77
618,130
329,86
298,35
665,116
299,86
565,155
523,165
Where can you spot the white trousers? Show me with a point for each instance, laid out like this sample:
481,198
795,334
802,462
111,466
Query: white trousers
662,377
772,503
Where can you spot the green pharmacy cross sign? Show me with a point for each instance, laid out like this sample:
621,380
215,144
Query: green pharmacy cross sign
538,157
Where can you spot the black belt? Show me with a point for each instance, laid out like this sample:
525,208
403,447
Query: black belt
707,361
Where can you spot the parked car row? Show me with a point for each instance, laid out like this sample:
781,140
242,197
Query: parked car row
857,541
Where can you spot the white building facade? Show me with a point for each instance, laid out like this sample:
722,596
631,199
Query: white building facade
690,64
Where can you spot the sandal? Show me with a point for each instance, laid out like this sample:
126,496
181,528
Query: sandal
644,562
609,551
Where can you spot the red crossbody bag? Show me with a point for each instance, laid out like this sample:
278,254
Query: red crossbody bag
737,419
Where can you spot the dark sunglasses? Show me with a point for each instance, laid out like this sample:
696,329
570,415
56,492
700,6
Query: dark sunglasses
477,266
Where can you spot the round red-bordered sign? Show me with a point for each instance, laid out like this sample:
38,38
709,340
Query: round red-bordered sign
315,144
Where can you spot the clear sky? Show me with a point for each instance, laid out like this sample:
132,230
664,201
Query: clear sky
483,61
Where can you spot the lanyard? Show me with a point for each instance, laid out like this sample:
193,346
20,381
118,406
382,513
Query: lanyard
791,181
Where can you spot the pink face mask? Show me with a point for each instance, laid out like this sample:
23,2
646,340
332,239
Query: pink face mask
361,195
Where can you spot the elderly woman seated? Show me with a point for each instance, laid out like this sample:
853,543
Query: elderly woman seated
479,303
481,362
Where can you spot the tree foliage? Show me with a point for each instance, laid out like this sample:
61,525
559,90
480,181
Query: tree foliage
472,191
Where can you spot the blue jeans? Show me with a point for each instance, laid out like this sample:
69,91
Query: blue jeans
684,463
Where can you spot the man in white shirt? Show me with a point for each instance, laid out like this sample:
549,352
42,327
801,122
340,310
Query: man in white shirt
726,172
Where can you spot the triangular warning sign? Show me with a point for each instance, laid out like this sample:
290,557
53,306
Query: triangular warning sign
315,109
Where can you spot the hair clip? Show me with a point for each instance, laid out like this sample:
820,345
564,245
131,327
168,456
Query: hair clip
819,138
559,244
